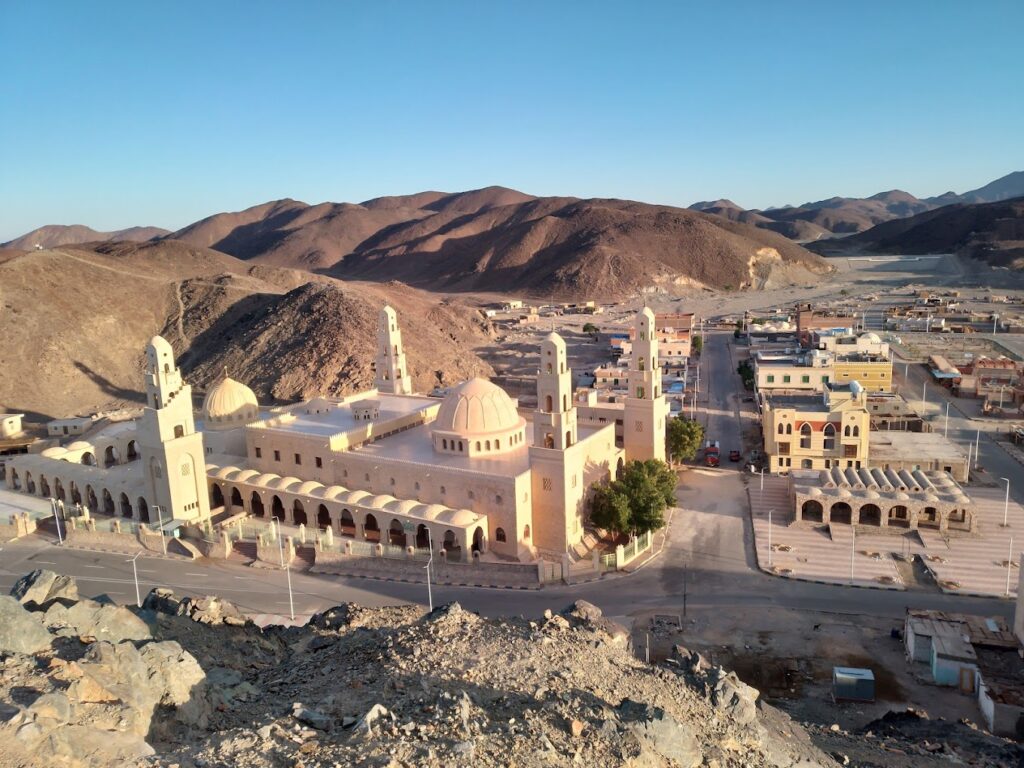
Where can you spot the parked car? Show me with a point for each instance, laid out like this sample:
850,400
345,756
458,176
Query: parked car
735,455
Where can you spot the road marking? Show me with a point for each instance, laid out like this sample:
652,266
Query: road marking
142,571
43,562
241,578
93,566
200,575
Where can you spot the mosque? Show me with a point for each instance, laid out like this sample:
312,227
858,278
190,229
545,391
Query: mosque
466,473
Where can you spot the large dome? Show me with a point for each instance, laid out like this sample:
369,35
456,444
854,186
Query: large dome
476,418
229,404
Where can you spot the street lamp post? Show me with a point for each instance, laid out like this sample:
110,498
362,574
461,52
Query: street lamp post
135,573
853,552
945,428
924,398
1006,504
288,571
977,446
1009,565
56,520
160,517
430,560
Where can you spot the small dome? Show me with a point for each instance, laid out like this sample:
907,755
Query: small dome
477,407
872,337
228,404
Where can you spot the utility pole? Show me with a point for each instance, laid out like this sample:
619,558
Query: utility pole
1009,565
160,517
770,537
924,399
430,560
135,573
977,441
945,429
288,571
56,520
1006,504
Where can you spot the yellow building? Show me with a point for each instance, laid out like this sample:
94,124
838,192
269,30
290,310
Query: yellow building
874,373
816,431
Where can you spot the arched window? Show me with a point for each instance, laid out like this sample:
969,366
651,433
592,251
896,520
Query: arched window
805,435
782,428
478,445
179,430
549,404
487,444
568,438
565,402
856,431
830,437
499,534
846,431
444,443
549,367
789,429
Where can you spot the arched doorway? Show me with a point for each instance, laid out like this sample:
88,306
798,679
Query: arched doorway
347,525
870,514
812,511
256,504
132,452
236,499
76,495
143,510
371,530
323,517
899,517
422,537
298,513
15,480
108,503
451,546
841,512
216,496
30,484
526,528
88,459
90,499
499,535
277,509
618,468
396,533
126,506
929,518
110,456
58,490
479,542
44,486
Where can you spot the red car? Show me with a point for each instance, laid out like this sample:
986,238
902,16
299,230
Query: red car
735,456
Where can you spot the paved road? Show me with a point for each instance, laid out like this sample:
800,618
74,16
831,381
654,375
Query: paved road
709,542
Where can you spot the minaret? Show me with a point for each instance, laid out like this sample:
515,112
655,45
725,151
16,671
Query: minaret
392,377
643,429
556,464
554,423
171,449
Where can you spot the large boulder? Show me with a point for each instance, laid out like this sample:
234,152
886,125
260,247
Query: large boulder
660,735
92,621
21,631
41,587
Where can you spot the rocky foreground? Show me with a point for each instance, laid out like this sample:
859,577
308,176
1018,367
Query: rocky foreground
189,682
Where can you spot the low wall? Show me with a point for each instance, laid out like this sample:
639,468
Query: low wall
17,525
84,534
269,551
517,575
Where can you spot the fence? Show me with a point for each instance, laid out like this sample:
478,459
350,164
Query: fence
630,551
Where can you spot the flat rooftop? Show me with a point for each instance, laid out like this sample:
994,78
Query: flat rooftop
802,402
894,446
336,416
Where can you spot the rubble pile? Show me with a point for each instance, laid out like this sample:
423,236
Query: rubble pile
190,683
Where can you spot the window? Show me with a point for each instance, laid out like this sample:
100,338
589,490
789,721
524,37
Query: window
546,483
417,486
497,499
298,458
442,490
805,379
259,452
471,495
824,379
392,482
783,449
771,379
499,534
638,426
805,435
319,462
830,437
277,455
179,430
639,393
444,443
786,379
806,464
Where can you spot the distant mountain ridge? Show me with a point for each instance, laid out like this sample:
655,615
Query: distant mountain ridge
55,235
821,219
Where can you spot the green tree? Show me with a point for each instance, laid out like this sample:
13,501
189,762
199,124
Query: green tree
609,509
591,329
683,438
697,344
635,502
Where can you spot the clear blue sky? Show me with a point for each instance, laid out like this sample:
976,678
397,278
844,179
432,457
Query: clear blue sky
117,114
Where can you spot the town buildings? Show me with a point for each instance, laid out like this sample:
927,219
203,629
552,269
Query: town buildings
469,473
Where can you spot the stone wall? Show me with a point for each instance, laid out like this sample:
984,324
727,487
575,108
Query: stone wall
17,525
517,575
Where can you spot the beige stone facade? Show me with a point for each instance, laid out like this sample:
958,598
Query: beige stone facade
465,473
815,431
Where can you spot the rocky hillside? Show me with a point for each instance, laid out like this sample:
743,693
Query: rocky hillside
191,683
55,235
77,321
498,239
991,232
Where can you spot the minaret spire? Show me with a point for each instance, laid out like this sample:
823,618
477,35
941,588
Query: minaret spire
391,374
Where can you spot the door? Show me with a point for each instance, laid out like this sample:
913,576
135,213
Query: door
966,680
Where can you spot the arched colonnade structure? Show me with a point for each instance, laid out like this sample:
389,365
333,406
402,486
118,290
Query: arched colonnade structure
889,499
352,514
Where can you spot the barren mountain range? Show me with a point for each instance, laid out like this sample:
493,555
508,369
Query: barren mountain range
991,232
846,215
77,319
53,235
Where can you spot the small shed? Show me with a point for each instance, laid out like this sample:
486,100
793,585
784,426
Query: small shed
853,684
